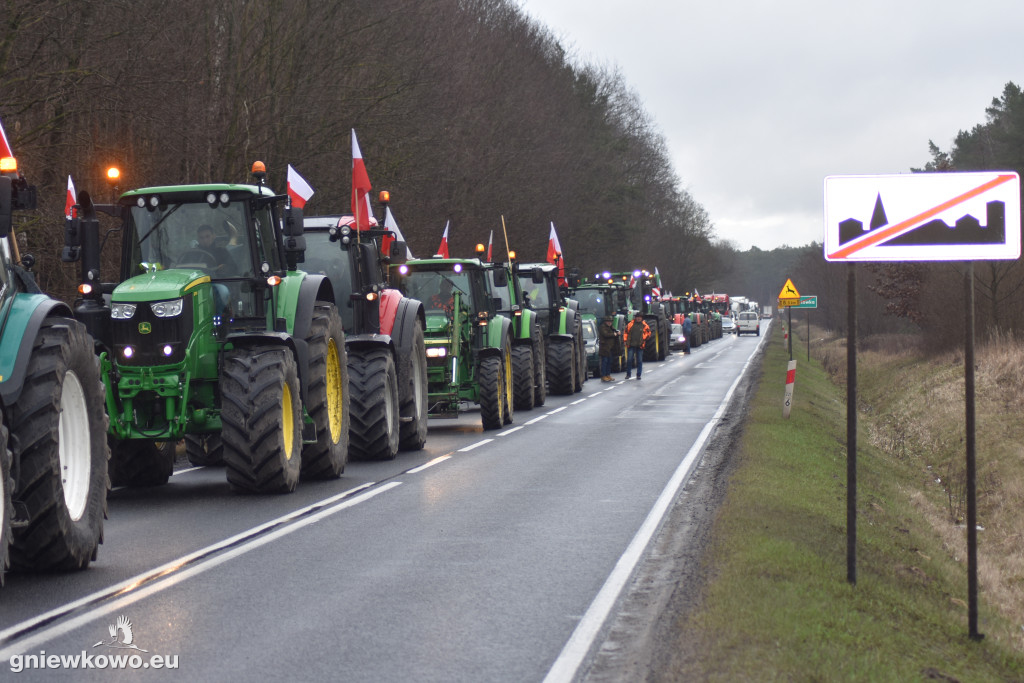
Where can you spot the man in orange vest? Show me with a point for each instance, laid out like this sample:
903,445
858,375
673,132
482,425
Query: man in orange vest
637,333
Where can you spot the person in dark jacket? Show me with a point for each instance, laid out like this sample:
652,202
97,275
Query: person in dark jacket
687,330
637,333
606,335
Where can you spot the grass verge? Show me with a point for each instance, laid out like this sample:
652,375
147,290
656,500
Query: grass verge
776,604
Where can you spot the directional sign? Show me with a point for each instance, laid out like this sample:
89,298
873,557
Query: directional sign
788,296
923,217
807,302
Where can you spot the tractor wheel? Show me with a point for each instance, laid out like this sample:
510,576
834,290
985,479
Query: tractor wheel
6,505
412,395
522,377
373,393
60,430
136,462
261,417
204,449
327,395
581,357
508,376
561,366
491,381
540,375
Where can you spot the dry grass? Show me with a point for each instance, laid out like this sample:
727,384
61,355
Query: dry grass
913,408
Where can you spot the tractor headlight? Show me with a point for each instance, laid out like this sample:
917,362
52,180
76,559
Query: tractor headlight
437,352
122,311
167,309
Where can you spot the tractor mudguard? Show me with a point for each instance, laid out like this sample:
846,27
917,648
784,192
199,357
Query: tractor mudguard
364,341
301,299
296,344
407,317
390,300
498,331
21,324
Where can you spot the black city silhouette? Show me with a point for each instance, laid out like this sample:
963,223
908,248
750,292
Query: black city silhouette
966,230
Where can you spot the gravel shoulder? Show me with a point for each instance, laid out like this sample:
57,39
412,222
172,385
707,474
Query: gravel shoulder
643,640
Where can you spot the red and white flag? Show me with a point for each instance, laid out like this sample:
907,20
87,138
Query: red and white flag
392,225
555,254
72,199
490,248
299,191
5,146
361,187
442,249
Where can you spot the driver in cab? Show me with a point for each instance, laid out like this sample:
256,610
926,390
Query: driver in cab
223,264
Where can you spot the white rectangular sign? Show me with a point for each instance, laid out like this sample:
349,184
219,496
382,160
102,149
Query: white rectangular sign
923,217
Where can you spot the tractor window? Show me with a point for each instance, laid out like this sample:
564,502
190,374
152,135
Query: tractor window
593,301
189,235
327,258
435,288
499,293
265,238
537,291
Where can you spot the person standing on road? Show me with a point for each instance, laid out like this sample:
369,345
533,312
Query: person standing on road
687,330
637,333
606,335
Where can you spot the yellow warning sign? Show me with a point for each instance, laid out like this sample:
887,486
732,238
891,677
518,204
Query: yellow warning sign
789,296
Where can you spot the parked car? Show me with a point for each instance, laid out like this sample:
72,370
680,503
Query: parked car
676,340
748,322
590,340
728,325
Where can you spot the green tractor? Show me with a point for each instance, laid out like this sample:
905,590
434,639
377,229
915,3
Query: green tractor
604,297
529,374
562,322
384,333
53,446
469,343
211,334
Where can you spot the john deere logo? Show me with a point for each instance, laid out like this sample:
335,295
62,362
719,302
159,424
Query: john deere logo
145,328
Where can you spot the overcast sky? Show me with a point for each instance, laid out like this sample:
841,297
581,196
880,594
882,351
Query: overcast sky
760,100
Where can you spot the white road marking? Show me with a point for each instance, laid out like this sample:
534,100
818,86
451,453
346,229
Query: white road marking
431,463
536,419
476,445
579,401
556,410
509,431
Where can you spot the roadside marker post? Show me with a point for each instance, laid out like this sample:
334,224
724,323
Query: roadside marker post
939,217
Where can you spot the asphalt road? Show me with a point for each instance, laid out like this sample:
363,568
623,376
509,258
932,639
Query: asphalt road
488,556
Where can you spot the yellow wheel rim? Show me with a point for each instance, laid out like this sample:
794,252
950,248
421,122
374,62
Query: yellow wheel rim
287,423
509,389
334,392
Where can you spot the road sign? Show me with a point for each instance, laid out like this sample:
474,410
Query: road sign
807,302
923,217
788,296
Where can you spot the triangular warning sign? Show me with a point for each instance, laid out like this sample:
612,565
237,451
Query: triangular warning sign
789,291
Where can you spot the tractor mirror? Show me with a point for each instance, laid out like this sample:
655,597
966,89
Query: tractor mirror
537,276
398,251
293,222
6,193
574,278
500,278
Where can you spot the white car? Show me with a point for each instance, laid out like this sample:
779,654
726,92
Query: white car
728,325
748,322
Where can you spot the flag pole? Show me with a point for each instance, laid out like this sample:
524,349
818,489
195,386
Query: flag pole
505,231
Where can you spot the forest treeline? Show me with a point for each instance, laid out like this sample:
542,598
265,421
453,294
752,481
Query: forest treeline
466,110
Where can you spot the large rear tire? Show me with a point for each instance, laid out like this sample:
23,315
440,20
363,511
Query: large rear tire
135,462
373,394
60,430
561,366
522,377
412,384
327,395
204,450
490,380
6,504
261,416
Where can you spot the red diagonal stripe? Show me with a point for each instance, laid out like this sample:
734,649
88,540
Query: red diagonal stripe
883,235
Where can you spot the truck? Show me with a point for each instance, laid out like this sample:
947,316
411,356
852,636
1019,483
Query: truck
210,330
384,334
766,311
468,342
53,444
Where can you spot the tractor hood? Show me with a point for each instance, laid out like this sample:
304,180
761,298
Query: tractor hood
160,285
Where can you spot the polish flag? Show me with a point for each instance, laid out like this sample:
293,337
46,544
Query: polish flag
5,146
555,254
72,199
442,249
360,188
490,247
392,225
299,190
